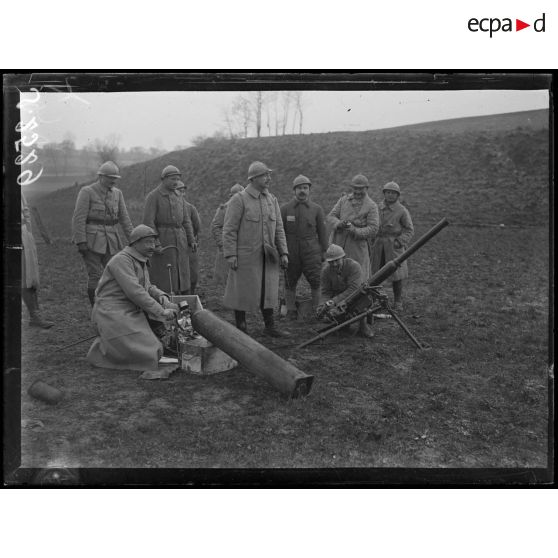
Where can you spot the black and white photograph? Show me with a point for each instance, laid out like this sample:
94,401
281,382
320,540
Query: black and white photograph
290,279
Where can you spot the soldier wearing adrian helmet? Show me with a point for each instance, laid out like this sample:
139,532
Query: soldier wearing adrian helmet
167,214
396,231
355,220
99,208
305,229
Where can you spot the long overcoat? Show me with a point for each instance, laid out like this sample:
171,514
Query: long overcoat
123,296
29,262
395,223
253,232
221,268
363,214
167,214
97,212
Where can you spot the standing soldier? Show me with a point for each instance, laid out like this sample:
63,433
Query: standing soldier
196,226
99,208
254,245
221,265
30,270
355,219
167,214
396,231
305,228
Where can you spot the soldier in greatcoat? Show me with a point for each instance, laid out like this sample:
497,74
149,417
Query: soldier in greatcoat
396,231
99,208
341,277
221,268
125,299
254,244
193,261
306,233
167,214
354,220
30,270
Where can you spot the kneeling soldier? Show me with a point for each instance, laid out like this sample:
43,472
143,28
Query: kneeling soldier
341,277
124,299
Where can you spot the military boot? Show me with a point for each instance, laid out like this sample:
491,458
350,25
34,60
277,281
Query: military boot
397,287
292,312
31,299
316,295
270,328
240,320
91,296
364,329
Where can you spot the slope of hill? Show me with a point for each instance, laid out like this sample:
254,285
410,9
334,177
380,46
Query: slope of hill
481,170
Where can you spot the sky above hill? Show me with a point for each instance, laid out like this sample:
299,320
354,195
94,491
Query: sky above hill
169,120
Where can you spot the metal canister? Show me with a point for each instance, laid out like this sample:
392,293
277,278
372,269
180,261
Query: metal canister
41,390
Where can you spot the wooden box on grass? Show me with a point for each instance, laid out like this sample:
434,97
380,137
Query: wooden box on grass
199,356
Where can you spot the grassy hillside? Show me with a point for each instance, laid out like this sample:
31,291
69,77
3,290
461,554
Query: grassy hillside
479,170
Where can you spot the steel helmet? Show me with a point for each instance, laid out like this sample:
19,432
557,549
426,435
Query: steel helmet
257,169
301,179
359,180
108,168
334,252
237,188
141,231
170,170
393,186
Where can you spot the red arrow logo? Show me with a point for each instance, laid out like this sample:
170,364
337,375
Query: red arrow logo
519,25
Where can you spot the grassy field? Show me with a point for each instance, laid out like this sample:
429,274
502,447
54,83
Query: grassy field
478,296
476,398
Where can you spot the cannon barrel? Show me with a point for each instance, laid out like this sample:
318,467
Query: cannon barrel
384,272
256,358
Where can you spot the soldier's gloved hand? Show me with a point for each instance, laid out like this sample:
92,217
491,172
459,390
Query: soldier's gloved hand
82,247
164,300
284,261
168,314
194,246
158,249
397,243
233,262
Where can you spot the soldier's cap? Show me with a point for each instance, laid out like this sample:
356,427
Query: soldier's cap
237,188
359,181
300,180
257,168
170,170
141,231
110,169
393,186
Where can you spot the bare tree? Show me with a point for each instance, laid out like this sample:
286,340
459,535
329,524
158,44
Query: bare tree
241,109
107,149
258,101
52,151
299,106
286,108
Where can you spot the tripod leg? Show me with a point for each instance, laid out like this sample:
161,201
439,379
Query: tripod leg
405,329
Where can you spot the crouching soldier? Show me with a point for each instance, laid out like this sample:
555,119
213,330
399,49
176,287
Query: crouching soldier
305,229
340,278
396,231
125,299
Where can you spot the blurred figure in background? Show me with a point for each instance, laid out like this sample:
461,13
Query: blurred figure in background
221,266
99,208
196,227
305,229
168,215
396,231
30,270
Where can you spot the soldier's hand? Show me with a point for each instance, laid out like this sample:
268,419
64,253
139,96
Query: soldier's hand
168,314
397,243
194,246
284,261
82,247
164,301
233,262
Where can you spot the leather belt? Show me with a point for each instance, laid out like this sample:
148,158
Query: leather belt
101,222
168,226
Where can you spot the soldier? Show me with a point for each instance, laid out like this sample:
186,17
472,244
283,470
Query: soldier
221,266
355,219
306,233
396,231
341,277
167,214
99,208
30,270
254,245
125,298
196,226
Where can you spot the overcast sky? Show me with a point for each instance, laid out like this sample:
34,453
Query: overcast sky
169,119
